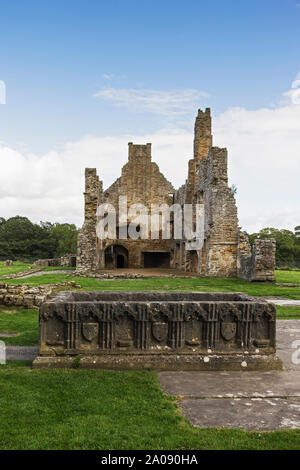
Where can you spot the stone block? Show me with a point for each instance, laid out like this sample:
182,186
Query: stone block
160,330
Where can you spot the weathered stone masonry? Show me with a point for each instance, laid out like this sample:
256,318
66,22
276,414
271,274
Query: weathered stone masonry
158,330
226,251
23,295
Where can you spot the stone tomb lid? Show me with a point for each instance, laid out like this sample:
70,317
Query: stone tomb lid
149,296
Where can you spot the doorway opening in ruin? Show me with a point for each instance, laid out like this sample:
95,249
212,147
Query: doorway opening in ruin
120,261
203,258
194,261
156,259
116,256
73,261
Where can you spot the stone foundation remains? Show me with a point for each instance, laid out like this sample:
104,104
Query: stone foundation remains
67,261
23,295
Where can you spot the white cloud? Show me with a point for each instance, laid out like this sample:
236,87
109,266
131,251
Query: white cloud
112,76
163,102
50,187
293,95
264,158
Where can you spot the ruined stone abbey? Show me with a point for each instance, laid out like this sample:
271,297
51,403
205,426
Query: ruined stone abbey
225,250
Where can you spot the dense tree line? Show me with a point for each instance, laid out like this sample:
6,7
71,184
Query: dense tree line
20,239
287,245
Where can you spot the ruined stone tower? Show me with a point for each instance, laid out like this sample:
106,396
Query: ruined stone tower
222,251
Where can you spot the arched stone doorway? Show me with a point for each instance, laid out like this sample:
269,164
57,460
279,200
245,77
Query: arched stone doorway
116,256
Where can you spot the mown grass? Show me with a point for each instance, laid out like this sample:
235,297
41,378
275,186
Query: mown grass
288,276
286,313
82,409
168,284
17,267
21,321
20,267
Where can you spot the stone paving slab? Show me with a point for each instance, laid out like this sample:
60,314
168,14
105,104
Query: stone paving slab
21,353
288,342
231,384
283,302
249,414
42,273
260,401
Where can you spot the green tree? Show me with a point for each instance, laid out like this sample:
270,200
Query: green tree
65,237
22,239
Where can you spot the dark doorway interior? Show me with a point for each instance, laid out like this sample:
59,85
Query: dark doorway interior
194,261
156,259
116,256
109,260
120,261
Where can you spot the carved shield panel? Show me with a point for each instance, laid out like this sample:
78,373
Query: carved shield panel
90,331
160,331
228,330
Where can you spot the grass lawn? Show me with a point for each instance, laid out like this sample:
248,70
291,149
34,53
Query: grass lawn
288,276
197,284
21,321
17,267
81,409
286,313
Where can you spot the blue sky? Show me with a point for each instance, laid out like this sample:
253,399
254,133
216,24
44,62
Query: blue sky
99,68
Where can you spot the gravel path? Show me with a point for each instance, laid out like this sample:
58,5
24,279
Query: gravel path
41,273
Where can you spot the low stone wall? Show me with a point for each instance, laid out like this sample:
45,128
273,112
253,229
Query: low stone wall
22,273
23,295
67,260
128,275
48,262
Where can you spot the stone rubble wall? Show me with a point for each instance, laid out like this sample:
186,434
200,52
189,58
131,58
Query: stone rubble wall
257,263
23,295
221,221
66,260
264,260
87,238
207,183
